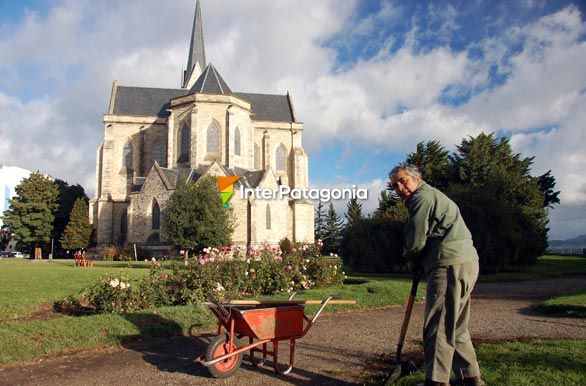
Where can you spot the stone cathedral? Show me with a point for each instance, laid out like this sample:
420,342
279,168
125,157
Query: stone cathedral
155,137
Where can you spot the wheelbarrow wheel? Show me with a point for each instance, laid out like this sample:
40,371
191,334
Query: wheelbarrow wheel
218,347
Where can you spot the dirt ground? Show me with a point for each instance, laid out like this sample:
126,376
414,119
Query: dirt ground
340,349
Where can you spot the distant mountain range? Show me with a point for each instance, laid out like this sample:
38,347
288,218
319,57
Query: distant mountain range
578,240
574,245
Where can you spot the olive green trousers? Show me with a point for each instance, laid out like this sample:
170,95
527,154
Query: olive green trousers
446,338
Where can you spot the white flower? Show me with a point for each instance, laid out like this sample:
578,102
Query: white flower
114,283
220,287
246,273
252,270
153,259
124,285
206,250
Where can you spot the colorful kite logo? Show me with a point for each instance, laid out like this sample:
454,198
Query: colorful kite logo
226,185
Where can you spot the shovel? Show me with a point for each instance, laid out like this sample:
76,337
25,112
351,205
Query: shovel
404,367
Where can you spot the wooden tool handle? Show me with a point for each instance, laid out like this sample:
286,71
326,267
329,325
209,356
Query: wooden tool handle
257,302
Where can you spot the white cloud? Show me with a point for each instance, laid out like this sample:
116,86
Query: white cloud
52,110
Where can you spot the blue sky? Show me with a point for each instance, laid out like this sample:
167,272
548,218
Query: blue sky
370,79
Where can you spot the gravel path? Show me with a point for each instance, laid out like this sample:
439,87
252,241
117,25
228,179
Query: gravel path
340,349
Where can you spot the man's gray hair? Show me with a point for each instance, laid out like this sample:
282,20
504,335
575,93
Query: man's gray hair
409,169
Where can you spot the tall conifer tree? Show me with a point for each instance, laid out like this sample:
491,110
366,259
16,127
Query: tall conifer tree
332,232
31,213
78,231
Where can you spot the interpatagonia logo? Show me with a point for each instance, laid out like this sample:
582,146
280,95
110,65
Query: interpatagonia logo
226,186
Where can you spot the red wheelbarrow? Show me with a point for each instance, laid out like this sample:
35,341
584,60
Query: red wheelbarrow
263,322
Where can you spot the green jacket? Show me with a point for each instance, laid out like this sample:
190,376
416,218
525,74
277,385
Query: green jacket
436,234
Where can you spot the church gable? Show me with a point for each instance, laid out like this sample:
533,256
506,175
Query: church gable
159,178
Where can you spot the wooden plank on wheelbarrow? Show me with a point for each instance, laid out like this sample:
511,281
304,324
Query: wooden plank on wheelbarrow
259,302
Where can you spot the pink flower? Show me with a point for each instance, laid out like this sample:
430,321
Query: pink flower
288,267
293,250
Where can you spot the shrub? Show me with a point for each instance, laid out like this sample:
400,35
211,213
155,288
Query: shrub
113,295
374,245
285,245
114,253
220,273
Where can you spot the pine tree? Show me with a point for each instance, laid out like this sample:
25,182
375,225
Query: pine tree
319,224
433,161
353,212
31,213
78,231
194,217
332,232
68,195
386,201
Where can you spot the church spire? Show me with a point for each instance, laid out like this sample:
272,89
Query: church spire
196,61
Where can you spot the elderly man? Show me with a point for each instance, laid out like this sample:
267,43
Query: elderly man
439,243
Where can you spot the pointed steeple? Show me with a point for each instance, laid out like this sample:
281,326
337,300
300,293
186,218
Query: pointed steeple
196,61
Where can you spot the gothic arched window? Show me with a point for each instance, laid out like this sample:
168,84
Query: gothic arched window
159,153
268,217
280,158
156,215
123,227
184,144
213,139
237,141
256,157
127,154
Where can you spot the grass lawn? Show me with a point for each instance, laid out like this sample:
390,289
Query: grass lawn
570,305
540,362
547,266
26,284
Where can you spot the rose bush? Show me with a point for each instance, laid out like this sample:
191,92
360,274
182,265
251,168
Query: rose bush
224,273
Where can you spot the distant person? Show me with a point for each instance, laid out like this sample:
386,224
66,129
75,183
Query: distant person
438,243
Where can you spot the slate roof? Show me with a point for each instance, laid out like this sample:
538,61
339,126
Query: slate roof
250,179
143,101
210,82
268,107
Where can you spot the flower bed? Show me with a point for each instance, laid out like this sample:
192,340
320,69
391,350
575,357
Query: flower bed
224,273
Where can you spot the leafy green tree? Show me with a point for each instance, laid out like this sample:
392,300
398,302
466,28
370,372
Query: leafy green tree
433,161
332,237
374,245
353,211
194,217
478,157
386,200
546,183
31,213
319,224
78,231
68,195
